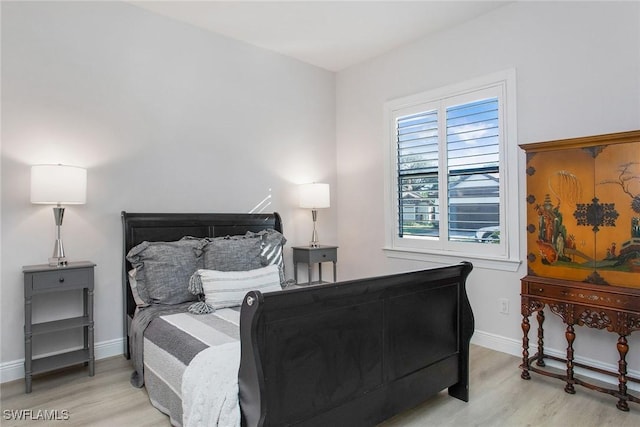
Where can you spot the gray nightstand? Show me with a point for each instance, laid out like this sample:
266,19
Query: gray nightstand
40,279
312,255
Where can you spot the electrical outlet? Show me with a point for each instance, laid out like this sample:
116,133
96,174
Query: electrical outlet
503,305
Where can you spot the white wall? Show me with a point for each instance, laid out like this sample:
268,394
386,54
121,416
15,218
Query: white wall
578,74
167,118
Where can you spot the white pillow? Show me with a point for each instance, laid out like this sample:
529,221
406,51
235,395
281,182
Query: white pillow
228,288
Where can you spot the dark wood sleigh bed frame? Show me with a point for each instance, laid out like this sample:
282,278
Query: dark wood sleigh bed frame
352,353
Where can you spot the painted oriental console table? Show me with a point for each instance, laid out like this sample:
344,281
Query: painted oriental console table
583,248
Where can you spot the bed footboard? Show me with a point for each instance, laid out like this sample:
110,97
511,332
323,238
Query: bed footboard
354,353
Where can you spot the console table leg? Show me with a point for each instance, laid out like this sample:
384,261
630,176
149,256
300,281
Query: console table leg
540,317
27,364
571,336
27,343
623,349
525,348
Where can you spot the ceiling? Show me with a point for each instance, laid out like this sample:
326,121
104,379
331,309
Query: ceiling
329,34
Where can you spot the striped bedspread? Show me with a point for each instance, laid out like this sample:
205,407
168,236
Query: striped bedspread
171,342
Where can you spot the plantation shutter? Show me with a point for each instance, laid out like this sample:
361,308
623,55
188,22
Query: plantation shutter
417,156
473,176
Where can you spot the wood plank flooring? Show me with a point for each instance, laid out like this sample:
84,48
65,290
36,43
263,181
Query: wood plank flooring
498,398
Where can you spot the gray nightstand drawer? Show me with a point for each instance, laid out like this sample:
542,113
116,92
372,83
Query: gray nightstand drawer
322,255
62,279
314,255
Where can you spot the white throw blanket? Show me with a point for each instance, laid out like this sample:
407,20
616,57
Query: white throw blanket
210,388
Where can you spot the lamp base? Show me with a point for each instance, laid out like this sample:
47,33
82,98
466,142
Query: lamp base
58,262
314,235
58,259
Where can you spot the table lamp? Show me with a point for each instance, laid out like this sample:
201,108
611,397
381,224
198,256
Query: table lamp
314,196
58,185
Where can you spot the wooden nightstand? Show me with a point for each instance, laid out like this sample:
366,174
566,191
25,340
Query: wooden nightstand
311,255
40,279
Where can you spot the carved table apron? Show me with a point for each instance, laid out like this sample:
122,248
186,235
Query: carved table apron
614,308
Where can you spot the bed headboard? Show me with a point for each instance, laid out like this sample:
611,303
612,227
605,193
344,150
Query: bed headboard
158,227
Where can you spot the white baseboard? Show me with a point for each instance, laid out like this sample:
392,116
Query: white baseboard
497,342
14,370
514,347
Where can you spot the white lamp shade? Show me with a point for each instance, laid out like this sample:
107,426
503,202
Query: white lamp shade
314,196
58,184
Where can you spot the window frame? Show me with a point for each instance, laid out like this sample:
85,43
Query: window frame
502,256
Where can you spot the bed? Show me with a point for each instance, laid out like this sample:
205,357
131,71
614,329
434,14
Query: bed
352,353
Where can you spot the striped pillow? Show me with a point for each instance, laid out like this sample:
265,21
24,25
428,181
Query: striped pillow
271,249
228,288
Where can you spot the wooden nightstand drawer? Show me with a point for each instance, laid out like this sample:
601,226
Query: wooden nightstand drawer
75,278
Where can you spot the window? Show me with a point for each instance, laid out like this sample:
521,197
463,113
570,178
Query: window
449,191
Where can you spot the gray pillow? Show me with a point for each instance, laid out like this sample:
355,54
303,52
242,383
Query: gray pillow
163,269
233,253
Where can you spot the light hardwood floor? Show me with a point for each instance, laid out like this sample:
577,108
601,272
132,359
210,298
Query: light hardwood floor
498,398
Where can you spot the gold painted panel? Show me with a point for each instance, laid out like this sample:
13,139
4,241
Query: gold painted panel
556,182
617,182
